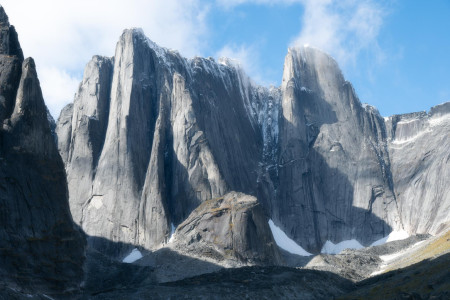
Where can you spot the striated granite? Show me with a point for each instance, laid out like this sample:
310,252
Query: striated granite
419,146
154,142
40,247
334,175
177,133
230,229
151,135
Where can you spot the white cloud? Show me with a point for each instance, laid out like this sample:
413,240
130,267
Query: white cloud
243,54
233,3
342,28
60,86
249,59
62,36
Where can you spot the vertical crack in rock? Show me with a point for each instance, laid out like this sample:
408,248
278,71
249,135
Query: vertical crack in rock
176,132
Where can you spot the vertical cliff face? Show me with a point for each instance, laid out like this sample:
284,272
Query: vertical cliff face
88,117
419,147
39,245
334,173
151,135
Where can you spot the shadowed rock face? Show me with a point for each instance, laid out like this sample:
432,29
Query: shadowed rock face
39,245
151,135
233,228
171,133
334,170
10,64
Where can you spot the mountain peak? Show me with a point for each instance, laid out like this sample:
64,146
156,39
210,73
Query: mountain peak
312,55
306,62
3,17
9,41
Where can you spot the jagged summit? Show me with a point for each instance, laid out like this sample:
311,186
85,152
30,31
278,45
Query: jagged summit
9,41
309,62
40,248
174,132
3,16
185,161
173,118
371,109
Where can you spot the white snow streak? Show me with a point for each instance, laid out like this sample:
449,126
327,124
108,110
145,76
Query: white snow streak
133,256
390,258
330,248
393,236
286,243
172,233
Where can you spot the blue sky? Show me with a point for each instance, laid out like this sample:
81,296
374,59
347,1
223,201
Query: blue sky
395,53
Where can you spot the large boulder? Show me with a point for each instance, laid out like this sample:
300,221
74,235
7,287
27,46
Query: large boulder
231,229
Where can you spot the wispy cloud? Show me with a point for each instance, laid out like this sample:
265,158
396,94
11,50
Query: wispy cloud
342,28
60,86
63,35
248,58
233,3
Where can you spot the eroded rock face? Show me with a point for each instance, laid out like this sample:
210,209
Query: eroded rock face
151,135
419,146
39,244
334,167
169,134
230,229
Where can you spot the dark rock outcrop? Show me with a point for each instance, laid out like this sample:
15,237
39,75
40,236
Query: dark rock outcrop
231,228
240,283
10,64
40,248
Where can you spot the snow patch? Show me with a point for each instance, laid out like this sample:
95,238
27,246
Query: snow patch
391,257
133,256
409,121
393,236
306,90
388,259
285,242
172,232
330,248
439,120
400,141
